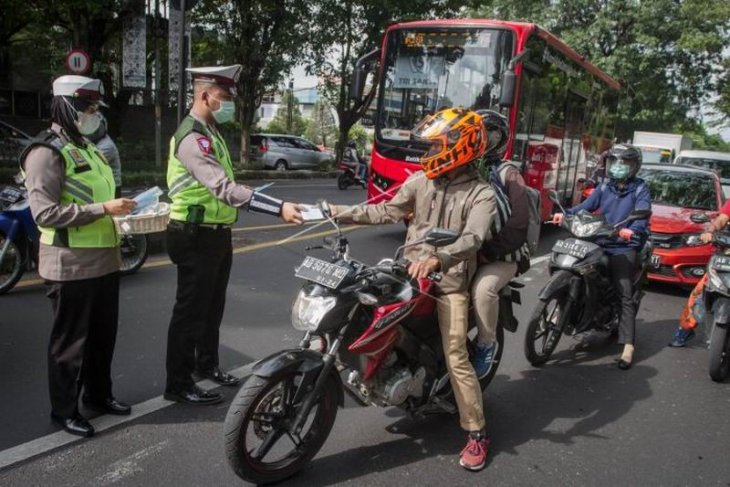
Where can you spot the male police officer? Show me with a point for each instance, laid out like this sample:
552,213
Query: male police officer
205,199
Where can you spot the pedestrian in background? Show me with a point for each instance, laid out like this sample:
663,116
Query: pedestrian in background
205,201
106,145
71,193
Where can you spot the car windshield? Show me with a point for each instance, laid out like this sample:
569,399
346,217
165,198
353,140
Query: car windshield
721,167
656,155
681,188
428,69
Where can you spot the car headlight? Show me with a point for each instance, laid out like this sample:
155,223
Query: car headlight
585,229
692,239
308,311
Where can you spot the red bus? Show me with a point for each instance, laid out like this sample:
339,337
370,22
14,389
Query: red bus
562,109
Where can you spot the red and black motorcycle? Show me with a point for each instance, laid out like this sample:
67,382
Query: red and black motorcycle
371,332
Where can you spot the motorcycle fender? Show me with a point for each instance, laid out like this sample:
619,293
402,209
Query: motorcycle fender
558,281
309,362
721,311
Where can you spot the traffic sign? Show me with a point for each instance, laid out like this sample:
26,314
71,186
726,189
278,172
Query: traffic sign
78,61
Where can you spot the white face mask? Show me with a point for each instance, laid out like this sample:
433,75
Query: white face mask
88,123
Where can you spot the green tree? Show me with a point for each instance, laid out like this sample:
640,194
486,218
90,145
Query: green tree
264,36
346,30
280,123
322,128
666,53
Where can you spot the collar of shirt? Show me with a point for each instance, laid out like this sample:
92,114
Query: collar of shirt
210,127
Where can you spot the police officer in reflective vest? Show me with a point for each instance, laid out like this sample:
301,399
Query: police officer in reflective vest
71,193
205,201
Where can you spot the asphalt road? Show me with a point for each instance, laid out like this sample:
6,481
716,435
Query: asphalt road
576,421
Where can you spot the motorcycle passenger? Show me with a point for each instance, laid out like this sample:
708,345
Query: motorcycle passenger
353,155
71,194
448,193
687,321
499,255
616,199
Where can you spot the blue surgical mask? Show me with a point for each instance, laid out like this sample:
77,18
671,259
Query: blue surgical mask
619,171
225,112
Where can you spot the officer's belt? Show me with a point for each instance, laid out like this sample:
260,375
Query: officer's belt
178,225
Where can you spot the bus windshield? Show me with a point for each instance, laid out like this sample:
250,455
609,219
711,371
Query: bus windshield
428,69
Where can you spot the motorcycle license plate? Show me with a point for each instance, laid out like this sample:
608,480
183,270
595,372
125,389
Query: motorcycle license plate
656,261
322,272
721,263
573,248
10,195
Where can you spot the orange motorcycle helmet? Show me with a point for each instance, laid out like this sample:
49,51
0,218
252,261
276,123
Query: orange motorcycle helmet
456,137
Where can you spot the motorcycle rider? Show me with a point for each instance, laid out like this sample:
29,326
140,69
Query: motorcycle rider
499,255
687,322
449,193
616,199
353,155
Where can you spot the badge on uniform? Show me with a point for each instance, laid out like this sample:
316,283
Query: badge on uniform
204,144
79,161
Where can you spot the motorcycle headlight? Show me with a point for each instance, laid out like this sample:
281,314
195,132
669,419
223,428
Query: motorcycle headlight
308,311
582,230
692,239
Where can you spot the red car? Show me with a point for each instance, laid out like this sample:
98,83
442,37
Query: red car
676,193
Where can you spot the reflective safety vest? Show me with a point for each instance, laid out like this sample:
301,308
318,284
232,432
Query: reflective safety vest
88,179
185,191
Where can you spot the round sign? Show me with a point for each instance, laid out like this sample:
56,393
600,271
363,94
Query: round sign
78,61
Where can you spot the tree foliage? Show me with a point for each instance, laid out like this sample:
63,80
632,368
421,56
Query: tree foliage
280,122
322,128
666,53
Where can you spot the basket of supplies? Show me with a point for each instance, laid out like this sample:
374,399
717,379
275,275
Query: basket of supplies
152,220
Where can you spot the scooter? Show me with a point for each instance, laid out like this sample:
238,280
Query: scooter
349,175
369,331
20,239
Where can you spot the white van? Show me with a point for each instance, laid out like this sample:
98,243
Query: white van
717,161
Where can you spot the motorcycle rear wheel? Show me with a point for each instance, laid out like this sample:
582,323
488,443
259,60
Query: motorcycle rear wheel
134,253
542,334
11,267
262,410
719,353
343,182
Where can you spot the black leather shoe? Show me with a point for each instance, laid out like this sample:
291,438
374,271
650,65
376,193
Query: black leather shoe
218,376
193,395
108,406
623,364
76,426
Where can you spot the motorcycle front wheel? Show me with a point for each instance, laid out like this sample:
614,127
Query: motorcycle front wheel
543,333
343,182
259,444
134,253
719,353
11,266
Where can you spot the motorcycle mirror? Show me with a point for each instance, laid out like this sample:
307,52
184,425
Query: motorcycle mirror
699,218
440,237
553,195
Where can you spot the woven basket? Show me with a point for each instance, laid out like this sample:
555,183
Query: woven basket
149,223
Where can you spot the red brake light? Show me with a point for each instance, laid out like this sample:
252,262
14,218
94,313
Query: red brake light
263,147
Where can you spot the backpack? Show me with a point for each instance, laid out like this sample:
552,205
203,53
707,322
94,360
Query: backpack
504,209
535,203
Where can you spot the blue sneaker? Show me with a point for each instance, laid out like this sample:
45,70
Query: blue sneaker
681,337
483,357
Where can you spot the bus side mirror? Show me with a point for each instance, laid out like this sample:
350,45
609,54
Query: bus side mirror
360,73
509,81
509,85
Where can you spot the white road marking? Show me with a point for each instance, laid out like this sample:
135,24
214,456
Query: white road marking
128,466
36,447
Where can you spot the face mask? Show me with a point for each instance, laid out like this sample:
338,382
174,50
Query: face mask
619,171
225,112
86,123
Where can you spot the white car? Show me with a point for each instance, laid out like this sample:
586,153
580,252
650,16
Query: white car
717,161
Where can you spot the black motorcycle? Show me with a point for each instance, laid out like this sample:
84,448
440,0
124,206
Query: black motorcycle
580,295
717,303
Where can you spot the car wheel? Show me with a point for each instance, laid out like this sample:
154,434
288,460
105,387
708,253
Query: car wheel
280,165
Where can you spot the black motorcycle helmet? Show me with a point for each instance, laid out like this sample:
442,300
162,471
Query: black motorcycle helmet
626,153
497,128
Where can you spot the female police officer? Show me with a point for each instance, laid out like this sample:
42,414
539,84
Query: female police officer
71,193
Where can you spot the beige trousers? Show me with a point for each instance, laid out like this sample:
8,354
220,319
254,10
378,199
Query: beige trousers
453,313
488,281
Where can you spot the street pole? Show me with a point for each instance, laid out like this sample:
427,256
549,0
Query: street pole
290,108
181,88
158,102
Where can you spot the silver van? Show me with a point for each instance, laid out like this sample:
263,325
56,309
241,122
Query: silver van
282,152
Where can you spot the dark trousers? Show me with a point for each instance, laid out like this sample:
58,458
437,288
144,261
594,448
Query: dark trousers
80,351
203,258
623,267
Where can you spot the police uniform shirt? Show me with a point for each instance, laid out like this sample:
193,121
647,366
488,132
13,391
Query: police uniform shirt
195,152
45,175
